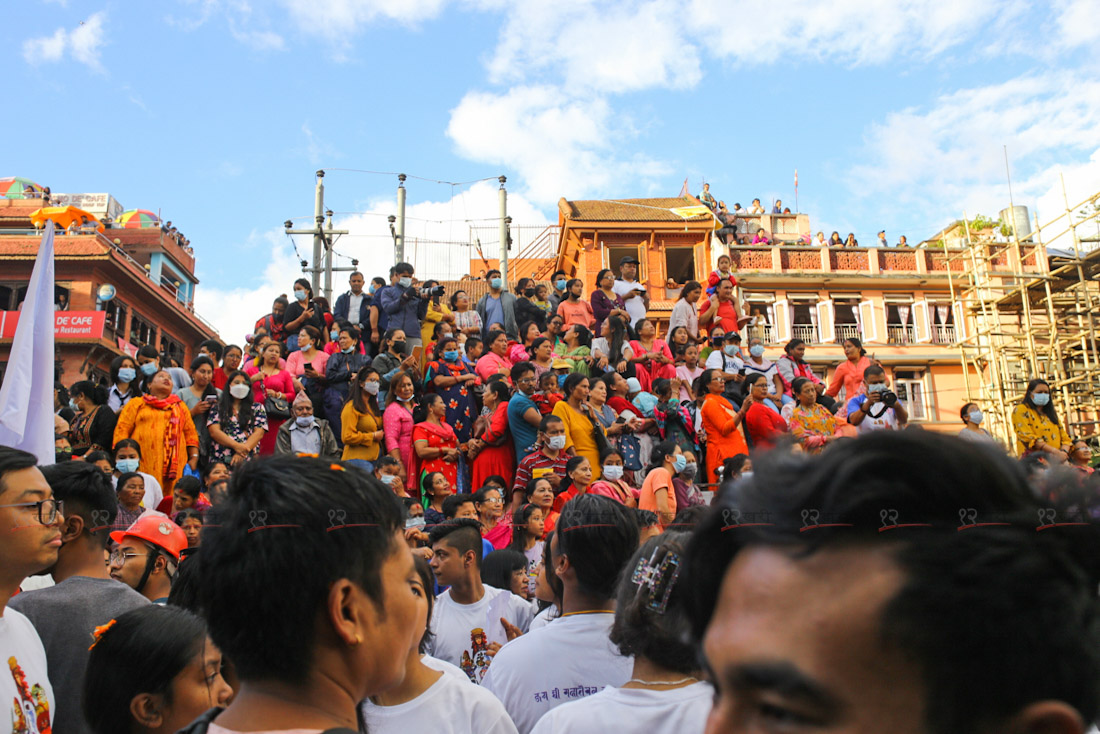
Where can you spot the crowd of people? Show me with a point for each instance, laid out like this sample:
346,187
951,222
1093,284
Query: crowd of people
410,511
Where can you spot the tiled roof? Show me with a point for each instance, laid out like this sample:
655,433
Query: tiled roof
26,248
625,210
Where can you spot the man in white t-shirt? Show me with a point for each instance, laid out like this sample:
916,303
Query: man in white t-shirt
726,359
633,293
879,409
469,623
572,657
30,536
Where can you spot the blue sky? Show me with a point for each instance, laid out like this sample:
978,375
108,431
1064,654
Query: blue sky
218,112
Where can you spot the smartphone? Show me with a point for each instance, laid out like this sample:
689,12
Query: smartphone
416,352
308,365
741,371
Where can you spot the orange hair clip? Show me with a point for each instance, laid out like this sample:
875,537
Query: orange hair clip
99,631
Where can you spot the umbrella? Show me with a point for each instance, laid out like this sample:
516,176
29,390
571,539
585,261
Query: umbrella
138,218
62,216
14,187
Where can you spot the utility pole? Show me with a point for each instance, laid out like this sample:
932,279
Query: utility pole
399,242
322,241
503,232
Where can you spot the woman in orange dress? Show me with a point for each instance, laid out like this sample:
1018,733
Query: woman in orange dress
721,423
161,424
435,442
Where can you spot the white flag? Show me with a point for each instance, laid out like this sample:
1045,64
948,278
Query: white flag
26,397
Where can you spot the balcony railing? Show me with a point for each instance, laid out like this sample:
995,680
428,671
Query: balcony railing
899,334
781,257
846,331
805,332
944,334
763,332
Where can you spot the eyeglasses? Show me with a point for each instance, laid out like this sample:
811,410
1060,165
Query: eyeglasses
119,556
494,500
48,510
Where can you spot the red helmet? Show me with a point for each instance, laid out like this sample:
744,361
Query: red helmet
157,529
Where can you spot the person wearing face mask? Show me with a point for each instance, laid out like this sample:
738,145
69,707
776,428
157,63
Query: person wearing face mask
658,495
150,362
404,305
574,310
361,420
526,309
341,368
611,482
308,366
558,281
547,461
1037,426
879,408
127,460
452,379
397,427
687,494
393,357
757,364
236,424
93,427
304,434
300,312
123,382
727,361
498,306
972,430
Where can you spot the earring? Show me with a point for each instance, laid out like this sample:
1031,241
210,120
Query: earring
358,640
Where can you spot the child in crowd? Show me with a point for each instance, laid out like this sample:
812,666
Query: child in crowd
527,531
688,372
388,471
549,393
542,299
723,272
474,349
506,569
436,489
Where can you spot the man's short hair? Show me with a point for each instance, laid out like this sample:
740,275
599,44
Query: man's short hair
462,534
491,273
994,617
354,273
544,424
405,268
599,536
873,370
213,347
519,369
87,493
452,503
13,460
275,532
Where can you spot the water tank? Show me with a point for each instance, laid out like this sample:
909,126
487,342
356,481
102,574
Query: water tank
1016,217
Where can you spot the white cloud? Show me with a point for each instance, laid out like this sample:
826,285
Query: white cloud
949,157
338,20
614,47
82,43
246,28
560,145
1076,22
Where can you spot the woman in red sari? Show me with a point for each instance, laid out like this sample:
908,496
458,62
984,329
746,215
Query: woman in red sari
435,442
492,447
652,358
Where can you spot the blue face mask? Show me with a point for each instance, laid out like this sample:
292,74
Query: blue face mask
561,380
348,350
127,465
72,404
730,349
756,350
1041,399
334,334
975,416
372,288
299,295
451,355
559,284
405,282
679,463
496,283
149,368
127,374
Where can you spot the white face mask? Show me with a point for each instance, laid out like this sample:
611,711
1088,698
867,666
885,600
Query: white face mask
612,471
304,421
240,390
556,443
371,388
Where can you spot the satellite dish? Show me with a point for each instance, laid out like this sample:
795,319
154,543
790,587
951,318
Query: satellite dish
105,293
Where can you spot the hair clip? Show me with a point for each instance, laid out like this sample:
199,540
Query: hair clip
99,631
336,467
657,579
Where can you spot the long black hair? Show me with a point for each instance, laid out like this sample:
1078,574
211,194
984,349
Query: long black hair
857,344
142,652
96,394
620,334
570,465
362,400
225,405
1048,409
498,566
519,526
660,452
116,365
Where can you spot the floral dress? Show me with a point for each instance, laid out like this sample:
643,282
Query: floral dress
457,397
438,437
235,431
812,425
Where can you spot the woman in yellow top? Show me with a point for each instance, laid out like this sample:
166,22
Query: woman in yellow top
438,310
361,421
1036,424
579,421
161,424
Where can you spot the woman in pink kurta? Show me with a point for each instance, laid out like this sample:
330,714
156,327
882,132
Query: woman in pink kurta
849,373
270,380
652,357
495,360
397,425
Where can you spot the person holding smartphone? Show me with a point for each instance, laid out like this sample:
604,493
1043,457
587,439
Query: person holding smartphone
199,397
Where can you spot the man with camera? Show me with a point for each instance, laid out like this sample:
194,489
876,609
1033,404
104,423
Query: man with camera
880,408
405,305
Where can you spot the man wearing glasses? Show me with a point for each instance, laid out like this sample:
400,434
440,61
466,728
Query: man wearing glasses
147,556
30,535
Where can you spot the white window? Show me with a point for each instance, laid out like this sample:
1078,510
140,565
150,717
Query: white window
911,389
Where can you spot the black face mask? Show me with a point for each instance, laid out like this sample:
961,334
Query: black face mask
398,347
61,455
529,293
277,317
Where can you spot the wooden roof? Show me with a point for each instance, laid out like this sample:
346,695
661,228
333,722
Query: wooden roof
628,210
